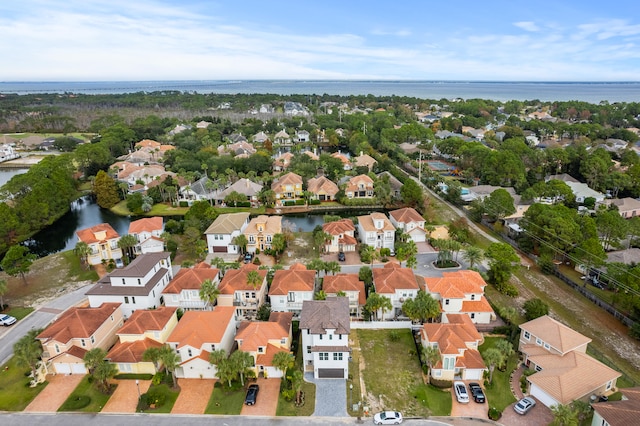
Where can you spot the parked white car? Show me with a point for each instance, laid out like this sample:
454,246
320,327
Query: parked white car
461,392
387,418
7,320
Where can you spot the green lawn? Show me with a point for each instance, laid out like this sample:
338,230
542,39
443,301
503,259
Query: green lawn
15,393
225,400
86,397
19,312
392,374
164,393
286,408
77,270
499,392
438,401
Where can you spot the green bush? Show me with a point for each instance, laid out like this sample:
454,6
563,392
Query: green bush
507,289
394,335
183,204
159,377
314,202
494,414
77,403
289,203
441,384
300,202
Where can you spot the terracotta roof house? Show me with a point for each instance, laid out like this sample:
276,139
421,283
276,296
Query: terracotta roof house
397,284
145,329
147,143
322,188
282,161
242,186
628,207
147,231
457,341
346,161
288,188
132,174
365,160
461,292
411,222
290,287
342,236
263,339
75,332
235,290
351,286
618,413
184,289
138,285
564,372
260,232
360,186
376,230
312,155
223,231
103,240
199,333
237,148
325,327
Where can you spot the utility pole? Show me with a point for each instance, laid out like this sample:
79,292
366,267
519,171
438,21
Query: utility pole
420,165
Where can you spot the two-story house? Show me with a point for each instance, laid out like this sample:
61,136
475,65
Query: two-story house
325,327
397,284
184,289
143,330
351,286
147,231
564,372
283,139
222,232
461,292
102,240
360,186
75,332
260,232
291,287
242,186
282,161
344,159
287,188
377,231
322,188
138,285
263,339
410,222
237,290
628,207
342,236
618,413
199,333
457,341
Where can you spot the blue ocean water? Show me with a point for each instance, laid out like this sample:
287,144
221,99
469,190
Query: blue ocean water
593,92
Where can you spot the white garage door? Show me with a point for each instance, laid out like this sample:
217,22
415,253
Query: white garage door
62,368
472,374
542,396
78,369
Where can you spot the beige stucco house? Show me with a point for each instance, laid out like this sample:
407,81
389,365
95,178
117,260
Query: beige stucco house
235,290
260,232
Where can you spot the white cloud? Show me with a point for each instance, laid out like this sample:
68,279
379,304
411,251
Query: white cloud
527,26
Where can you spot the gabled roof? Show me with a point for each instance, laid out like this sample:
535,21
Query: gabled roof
88,235
454,285
254,334
621,413
140,266
272,225
318,316
227,223
131,352
147,224
406,215
190,279
365,160
143,320
322,185
338,227
242,186
332,284
394,277
78,323
196,328
236,279
452,336
368,222
296,278
556,334
286,179
266,358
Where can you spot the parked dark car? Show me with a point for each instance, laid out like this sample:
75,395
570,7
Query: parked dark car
252,394
342,257
248,257
476,392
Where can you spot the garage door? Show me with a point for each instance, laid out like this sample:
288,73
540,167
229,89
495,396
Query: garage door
218,249
78,369
62,368
331,373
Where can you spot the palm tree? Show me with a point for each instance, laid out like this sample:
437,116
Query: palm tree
27,351
103,372
341,294
332,267
385,305
283,361
152,354
473,255
297,379
254,279
126,243
93,358
217,356
320,295
170,360
564,415
492,357
241,361
241,241
367,252
209,292
3,289
431,356
506,348
83,251
316,265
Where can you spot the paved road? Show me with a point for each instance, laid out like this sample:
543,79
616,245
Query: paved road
40,318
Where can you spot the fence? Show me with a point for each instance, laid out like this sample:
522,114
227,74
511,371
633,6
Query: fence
379,325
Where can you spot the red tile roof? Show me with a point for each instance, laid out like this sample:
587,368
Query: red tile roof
78,323
332,284
454,285
88,235
196,328
143,320
394,277
296,278
339,227
236,279
131,352
190,279
146,224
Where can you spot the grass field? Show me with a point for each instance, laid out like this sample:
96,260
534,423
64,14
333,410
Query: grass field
499,391
15,393
225,400
86,398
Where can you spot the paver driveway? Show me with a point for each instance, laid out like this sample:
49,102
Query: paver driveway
539,415
267,401
55,393
125,397
194,396
470,409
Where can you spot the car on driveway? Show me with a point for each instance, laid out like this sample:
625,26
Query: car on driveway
461,392
476,393
342,257
252,394
248,257
524,405
387,418
7,320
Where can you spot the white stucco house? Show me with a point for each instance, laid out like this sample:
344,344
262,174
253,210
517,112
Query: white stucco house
290,288
376,230
410,222
397,284
221,233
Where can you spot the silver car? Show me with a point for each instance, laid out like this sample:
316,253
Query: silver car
524,405
7,320
461,392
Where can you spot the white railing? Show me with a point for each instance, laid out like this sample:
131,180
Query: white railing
379,325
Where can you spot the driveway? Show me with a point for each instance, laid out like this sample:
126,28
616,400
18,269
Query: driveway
55,393
194,396
125,397
331,396
267,401
539,415
471,409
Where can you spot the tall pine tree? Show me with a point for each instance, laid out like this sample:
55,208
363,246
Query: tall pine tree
106,190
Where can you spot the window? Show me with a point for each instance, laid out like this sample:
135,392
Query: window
449,363
260,349
609,384
320,337
446,301
83,343
123,282
291,297
527,335
538,341
324,356
283,341
57,348
93,339
473,297
538,368
547,346
308,349
473,315
337,356
133,299
189,353
331,337
139,281
126,299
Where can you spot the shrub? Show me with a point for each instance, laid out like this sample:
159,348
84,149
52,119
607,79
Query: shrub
300,202
494,414
183,204
256,261
156,396
507,289
441,384
158,378
394,335
314,202
288,394
78,403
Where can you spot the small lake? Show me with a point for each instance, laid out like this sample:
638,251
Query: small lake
7,173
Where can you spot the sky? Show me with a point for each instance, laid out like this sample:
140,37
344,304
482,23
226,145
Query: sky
515,40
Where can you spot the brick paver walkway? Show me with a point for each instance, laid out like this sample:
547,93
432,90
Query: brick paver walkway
267,401
55,393
194,396
125,397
